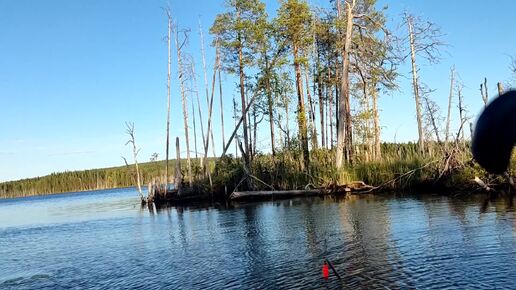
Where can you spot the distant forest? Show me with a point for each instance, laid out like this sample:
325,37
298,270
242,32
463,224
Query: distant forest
113,177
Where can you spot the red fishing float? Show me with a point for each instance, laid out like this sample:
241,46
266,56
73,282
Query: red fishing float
325,271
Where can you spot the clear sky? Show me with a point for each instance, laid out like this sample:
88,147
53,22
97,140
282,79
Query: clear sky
72,72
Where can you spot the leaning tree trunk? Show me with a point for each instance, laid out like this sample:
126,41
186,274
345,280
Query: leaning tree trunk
415,86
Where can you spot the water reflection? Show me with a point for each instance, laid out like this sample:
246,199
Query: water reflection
106,240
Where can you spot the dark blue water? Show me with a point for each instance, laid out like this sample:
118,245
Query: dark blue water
105,240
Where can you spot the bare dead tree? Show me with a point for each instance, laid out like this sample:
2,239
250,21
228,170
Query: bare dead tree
344,125
178,179
130,131
169,30
196,90
311,119
483,92
500,88
329,118
432,110
210,109
450,96
424,40
195,130
462,110
210,133
180,44
221,106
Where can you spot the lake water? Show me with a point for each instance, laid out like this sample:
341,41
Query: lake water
105,240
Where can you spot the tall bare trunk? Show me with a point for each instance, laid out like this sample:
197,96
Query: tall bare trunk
321,102
130,132
301,115
184,104
415,86
243,100
210,133
221,108
377,145
210,110
449,106
255,129
178,176
169,49
235,117
287,126
461,112
199,110
344,125
432,119
270,102
195,130
330,109
311,113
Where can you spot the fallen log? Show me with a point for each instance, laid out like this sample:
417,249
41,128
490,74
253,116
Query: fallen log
240,195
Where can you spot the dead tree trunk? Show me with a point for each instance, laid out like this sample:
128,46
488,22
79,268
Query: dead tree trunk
184,104
130,132
235,118
243,102
461,112
221,108
449,106
178,176
377,145
344,125
484,93
270,102
210,133
500,88
201,161
287,126
301,115
195,130
431,111
210,110
321,110
415,86
329,100
311,119
168,92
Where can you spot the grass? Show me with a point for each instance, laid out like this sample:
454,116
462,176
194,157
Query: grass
283,171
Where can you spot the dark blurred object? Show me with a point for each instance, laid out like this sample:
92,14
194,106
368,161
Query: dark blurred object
495,134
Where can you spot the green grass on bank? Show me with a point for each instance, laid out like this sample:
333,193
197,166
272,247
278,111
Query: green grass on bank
283,171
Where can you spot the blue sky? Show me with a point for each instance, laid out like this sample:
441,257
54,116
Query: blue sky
72,72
